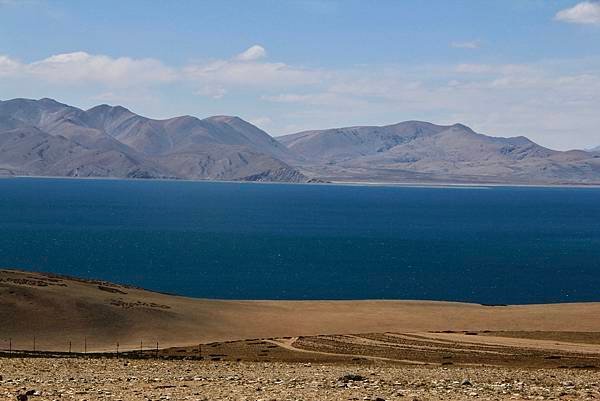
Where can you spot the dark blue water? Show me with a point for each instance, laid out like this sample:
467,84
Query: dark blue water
247,241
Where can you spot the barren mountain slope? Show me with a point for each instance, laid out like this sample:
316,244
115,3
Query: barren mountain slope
29,151
419,151
114,142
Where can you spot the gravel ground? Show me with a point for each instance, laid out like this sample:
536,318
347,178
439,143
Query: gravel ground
113,379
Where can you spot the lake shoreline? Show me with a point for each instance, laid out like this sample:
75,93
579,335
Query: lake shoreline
401,184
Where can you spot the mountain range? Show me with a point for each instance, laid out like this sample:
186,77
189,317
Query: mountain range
47,138
44,137
420,151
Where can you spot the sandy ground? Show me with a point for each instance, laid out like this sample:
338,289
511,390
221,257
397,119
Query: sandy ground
114,379
194,349
54,311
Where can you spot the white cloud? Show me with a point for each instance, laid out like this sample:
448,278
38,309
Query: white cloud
501,69
82,67
587,12
473,44
212,92
289,98
328,100
246,70
8,66
474,68
250,73
212,78
252,53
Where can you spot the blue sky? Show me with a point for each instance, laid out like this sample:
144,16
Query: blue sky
505,67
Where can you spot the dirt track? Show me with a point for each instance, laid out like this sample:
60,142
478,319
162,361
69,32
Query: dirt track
435,349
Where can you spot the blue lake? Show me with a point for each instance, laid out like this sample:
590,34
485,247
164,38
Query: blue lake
276,241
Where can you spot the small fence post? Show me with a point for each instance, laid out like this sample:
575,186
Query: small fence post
117,350
10,346
141,348
33,343
69,347
199,351
85,345
157,350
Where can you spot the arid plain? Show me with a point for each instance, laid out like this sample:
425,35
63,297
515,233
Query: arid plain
183,348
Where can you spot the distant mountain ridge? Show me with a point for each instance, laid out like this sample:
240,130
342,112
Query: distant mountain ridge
45,137
414,151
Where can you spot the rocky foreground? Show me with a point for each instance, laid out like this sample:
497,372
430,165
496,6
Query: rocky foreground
117,379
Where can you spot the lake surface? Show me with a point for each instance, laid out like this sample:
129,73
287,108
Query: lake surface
276,241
